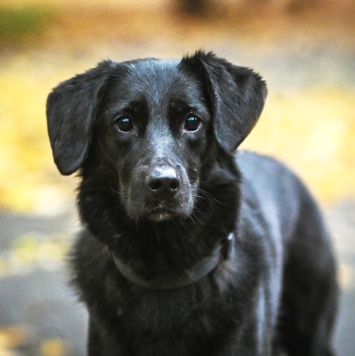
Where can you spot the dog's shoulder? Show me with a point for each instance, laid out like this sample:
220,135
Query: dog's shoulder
267,177
255,165
270,191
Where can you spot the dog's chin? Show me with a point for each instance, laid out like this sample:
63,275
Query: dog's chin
161,211
163,214
160,215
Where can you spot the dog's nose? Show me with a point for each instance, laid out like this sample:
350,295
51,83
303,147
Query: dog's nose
163,182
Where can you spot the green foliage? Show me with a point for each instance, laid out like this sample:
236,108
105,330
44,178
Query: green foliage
18,22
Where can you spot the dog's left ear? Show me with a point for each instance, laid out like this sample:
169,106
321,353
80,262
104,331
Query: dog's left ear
237,96
71,112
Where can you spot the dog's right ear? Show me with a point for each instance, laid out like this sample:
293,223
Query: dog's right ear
237,96
71,111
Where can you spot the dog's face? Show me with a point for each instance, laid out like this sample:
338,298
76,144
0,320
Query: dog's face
152,127
155,124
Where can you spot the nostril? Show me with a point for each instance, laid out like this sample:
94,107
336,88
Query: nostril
155,184
164,184
174,184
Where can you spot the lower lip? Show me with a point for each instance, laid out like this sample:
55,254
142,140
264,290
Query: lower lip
160,215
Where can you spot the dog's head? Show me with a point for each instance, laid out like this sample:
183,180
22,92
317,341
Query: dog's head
154,125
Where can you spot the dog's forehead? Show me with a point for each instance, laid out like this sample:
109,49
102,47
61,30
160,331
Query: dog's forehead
152,67
156,77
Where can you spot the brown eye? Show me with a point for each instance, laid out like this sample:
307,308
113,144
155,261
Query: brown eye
192,123
124,124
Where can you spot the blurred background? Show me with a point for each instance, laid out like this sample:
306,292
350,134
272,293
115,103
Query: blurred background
304,49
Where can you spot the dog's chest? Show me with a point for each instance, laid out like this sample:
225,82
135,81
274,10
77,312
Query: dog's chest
171,322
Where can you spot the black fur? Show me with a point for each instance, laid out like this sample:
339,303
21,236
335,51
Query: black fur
162,195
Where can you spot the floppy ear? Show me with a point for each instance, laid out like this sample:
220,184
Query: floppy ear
237,95
71,111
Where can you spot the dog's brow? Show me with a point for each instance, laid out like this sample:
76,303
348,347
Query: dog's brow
180,105
135,105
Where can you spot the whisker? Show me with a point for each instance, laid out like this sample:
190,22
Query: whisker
191,217
208,195
115,191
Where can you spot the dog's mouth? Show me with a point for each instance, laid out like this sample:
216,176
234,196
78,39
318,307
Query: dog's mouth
161,214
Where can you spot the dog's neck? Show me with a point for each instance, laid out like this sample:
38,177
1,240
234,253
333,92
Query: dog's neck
175,279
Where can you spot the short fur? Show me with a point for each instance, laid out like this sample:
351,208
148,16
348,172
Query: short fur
161,188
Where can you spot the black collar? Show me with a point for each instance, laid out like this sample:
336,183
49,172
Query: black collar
179,279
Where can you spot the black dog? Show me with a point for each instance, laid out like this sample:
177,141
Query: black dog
188,250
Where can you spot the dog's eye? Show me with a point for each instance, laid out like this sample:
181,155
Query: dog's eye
124,124
192,123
